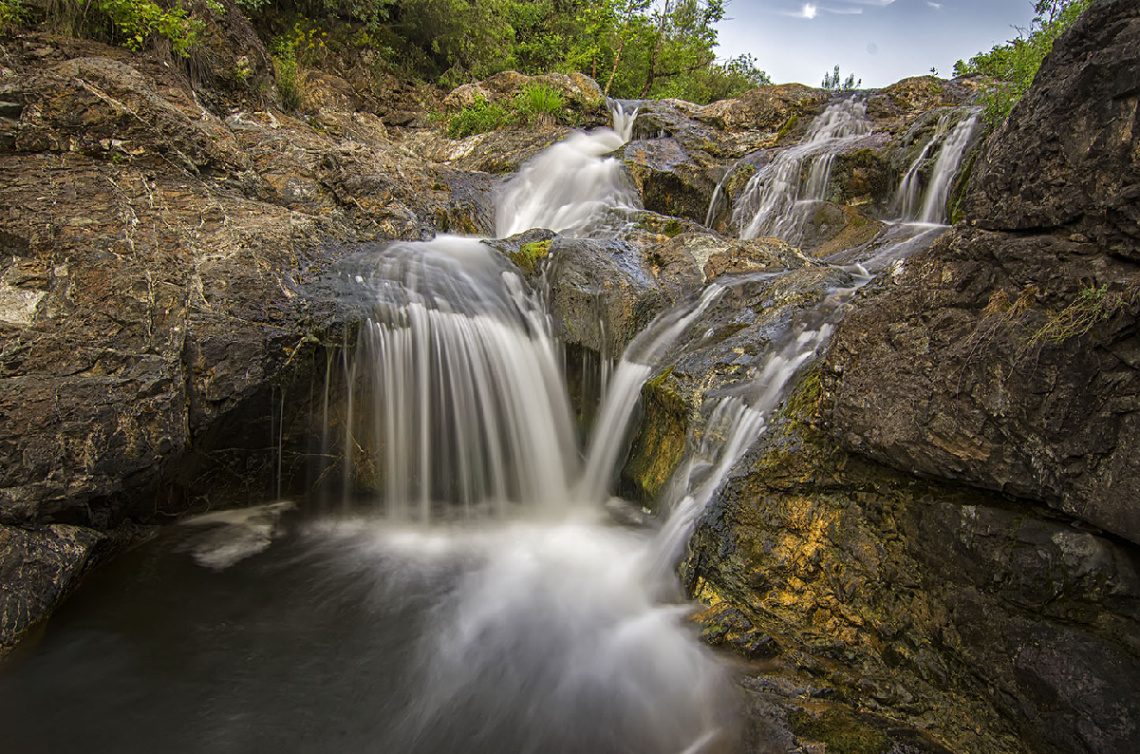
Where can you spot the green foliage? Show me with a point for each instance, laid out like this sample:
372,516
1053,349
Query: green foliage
12,13
1012,66
633,48
287,69
137,21
537,103
832,81
477,118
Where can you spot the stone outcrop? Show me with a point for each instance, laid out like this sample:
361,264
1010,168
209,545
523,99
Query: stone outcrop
1007,358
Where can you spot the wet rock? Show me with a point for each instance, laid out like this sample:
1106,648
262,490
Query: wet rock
37,566
600,294
931,603
1008,360
667,179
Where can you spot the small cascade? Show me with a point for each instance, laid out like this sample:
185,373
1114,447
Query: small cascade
575,187
909,195
777,199
736,420
463,405
610,437
929,206
946,167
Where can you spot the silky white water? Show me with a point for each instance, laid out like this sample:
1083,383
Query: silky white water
778,198
575,187
926,203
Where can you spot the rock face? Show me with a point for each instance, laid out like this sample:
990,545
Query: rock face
1010,360
1067,156
939,524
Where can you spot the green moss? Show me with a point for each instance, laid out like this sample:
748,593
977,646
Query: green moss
530,254
673,227
842,732
789,124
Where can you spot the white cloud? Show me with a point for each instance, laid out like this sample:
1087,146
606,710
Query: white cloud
809,11
935,6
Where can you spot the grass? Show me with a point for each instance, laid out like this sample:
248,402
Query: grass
535,104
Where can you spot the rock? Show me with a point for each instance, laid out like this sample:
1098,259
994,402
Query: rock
667,179
768,108
951,373
928,602
1068,154
37,567
1009,360
600,294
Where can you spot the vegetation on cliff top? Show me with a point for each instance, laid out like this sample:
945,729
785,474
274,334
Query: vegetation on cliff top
1013,65
633,48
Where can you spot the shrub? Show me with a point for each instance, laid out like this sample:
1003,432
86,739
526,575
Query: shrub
478,117
537,103
136,21
12,13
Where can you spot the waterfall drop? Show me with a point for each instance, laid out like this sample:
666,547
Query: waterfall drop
778,198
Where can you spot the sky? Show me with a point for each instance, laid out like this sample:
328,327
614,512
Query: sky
880,41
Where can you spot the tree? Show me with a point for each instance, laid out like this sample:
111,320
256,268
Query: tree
832,81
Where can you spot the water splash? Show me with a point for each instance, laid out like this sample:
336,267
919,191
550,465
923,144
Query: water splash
778,199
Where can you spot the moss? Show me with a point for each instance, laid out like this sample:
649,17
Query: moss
843,733
673,227
529,255
789,124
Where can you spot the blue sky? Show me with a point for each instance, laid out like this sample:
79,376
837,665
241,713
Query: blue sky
880,41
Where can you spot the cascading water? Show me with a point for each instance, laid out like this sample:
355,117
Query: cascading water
459,361
909,194
777,200
573,186
929,206
934,208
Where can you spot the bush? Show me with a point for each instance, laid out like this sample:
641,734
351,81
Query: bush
135,22
12,13
477,118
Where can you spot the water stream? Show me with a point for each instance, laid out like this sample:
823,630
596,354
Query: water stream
469,592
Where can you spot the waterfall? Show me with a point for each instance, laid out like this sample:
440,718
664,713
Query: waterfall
574,187
465,404
777,200
934,208
930,206
909,194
